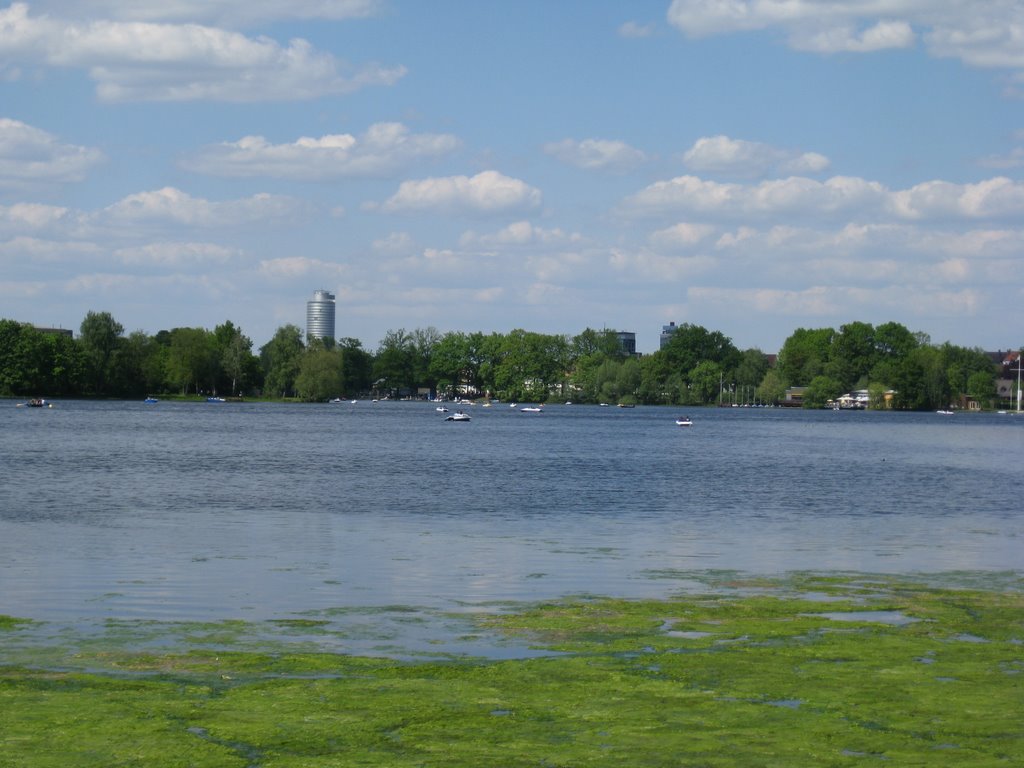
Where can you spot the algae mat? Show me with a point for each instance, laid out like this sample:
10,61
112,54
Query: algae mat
812,671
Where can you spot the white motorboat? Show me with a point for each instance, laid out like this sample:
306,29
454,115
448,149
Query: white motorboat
684,421
458,416
532,409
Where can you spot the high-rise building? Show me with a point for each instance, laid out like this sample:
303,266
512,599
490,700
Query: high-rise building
627,342
320,316
666,334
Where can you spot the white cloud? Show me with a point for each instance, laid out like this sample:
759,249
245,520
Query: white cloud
142,61
647,265
22,217
291,267
172,206
1013,159
986,199
840,195
881,36
487,192
383,149
177,254
395,243
721,154
544,293
31,251
519,233
222,12
980,33
635,30
682,235
30,156
596,154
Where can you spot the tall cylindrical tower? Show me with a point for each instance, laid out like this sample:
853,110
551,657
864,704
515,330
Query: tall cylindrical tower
320,316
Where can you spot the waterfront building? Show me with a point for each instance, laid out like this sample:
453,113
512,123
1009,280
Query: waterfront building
627,342
320,316
55,331
666,334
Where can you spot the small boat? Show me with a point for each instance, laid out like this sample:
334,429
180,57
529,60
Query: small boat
532,409
216,400
684,421
38,402
626,405
458,416
945,413
336,401
150,400
441,409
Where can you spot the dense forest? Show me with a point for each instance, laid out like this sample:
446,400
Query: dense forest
696,367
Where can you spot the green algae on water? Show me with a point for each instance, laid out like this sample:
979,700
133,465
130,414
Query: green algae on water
752,675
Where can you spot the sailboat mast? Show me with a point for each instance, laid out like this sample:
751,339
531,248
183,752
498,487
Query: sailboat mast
1019,361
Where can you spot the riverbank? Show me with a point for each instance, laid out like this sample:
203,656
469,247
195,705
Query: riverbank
806,670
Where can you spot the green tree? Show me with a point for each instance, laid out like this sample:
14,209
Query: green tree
193,360
853,353
893,341
394,367
601,343
132,375
356,366
804,355
691,345
753,364
424,341
821,390
99,336
17,357
320,374
772,387
280,359
450,363
704,382
981,386
921,381
531,365
236,358
33,362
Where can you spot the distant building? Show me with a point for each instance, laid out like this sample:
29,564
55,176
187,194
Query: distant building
320,316
666,334
56,331
627,342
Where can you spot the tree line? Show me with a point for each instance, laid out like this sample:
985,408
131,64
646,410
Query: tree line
696,367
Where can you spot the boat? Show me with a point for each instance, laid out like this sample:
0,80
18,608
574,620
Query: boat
532,409
441,409
216,400
38,402
626,405
458,416
336,401
684,421
150,400
945,413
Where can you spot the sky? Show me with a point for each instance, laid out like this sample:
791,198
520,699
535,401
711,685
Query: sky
750,166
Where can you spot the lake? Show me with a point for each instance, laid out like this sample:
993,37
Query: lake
196,511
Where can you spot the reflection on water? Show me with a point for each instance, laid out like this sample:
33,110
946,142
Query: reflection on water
195,511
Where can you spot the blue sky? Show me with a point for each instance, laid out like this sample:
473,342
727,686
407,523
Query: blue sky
752,166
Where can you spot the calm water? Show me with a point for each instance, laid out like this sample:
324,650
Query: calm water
197,511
